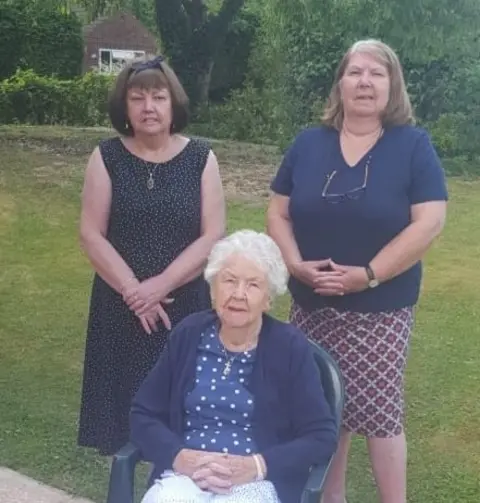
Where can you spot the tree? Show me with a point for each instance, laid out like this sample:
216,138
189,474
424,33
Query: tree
42,36
192,33
432,38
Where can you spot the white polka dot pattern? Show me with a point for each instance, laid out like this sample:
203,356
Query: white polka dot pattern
221,409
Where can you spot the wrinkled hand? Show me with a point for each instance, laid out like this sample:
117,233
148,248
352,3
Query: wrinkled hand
145,296
353,278
214,474
219,473
244,469
208,470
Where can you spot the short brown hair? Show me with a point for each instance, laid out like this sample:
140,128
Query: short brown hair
398,110
160,76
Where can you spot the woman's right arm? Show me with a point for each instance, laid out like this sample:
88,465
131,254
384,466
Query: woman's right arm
95,213
314,273
279,227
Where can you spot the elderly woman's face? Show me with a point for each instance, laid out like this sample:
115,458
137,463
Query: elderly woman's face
240,292
149,110
365,86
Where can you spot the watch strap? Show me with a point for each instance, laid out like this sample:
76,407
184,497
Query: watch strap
370,273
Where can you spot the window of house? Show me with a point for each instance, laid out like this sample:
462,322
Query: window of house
113,60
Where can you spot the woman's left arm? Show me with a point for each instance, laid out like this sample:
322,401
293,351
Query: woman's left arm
427,195
408,247
313,424
190,263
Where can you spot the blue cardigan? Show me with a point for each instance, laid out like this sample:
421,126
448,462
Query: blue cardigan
293,426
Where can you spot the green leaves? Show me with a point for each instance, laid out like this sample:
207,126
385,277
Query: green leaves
40,36
193,33
29,98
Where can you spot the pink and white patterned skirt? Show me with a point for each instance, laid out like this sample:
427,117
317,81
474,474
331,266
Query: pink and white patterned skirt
371,350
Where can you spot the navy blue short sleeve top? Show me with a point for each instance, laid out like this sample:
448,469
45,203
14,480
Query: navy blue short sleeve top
404,170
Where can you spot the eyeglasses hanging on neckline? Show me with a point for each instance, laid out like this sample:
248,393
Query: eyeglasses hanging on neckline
352,194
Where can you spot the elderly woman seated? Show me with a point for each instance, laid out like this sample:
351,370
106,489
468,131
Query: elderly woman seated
234,409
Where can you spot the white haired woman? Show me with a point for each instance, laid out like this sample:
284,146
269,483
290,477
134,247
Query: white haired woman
234,411
357,203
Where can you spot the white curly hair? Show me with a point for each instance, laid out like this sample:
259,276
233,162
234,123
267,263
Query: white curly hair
257,247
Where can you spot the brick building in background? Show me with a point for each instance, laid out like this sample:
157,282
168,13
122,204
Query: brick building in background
110,42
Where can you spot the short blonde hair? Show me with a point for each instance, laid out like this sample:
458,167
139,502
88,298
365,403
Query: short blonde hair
398,110
257,247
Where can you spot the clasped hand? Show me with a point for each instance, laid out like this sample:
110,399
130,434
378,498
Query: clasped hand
330,279
216,472
145,299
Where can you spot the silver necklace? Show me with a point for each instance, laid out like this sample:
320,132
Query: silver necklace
229,360
150,180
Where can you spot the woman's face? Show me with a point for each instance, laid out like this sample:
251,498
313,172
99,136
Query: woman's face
365,86
240,292
149,110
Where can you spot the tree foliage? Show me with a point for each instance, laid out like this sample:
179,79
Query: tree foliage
192,33
41,36
435,40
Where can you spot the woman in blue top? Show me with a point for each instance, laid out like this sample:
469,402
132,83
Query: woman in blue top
356,204
234,410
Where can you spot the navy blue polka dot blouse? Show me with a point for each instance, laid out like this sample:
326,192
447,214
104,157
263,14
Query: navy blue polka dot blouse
218,411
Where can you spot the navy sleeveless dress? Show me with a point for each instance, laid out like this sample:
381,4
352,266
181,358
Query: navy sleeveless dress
149,228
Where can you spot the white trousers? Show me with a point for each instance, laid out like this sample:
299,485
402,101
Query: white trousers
173,488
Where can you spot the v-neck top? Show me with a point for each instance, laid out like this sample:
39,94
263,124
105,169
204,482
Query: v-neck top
404,170
218,410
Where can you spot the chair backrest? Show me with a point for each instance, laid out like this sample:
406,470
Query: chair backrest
332,380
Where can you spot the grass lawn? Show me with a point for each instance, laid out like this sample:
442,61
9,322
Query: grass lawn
44,294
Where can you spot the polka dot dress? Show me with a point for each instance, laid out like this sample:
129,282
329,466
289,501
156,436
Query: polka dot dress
218,411
149,227
218,418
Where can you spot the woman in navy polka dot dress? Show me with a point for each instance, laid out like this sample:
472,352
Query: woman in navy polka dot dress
234,412
152,209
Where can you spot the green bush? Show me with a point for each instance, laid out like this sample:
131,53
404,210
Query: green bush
446,131
39,36
251,114
454,138
28,98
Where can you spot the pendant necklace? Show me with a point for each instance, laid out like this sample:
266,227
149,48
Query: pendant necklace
150,180
229,360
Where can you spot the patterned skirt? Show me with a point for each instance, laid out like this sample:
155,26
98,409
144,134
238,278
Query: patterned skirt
371,350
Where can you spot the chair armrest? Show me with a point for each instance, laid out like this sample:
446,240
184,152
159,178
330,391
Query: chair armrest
122,475
314,486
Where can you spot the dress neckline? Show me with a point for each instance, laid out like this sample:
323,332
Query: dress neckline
141,159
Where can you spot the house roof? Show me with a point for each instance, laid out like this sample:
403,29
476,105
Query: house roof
105,21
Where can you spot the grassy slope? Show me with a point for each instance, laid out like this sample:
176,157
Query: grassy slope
44,291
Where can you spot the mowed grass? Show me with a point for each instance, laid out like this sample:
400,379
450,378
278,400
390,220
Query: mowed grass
44,295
